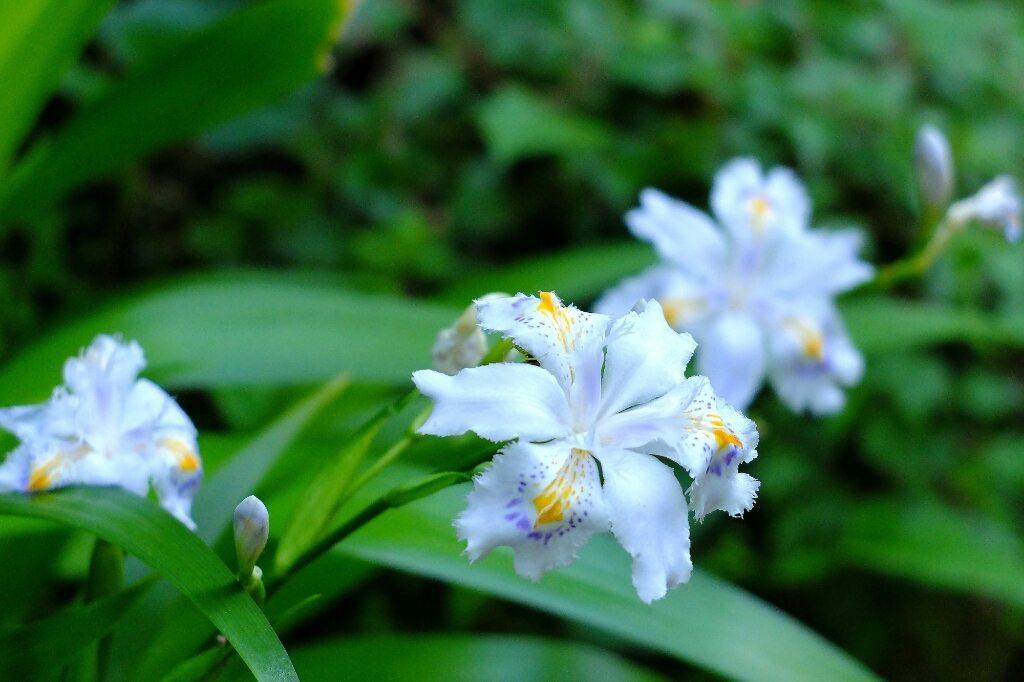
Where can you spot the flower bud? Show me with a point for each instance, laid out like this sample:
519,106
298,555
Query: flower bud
252,526
463,344
459,346
933,161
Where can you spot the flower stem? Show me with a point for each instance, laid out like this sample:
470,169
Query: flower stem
393,452
498,352
917,264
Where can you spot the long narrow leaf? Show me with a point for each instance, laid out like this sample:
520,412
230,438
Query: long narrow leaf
182,629
39,40
216,500
935,545
204,80
327,491
144,529
460,658
577,275
880,325
247,329
39,651
707,622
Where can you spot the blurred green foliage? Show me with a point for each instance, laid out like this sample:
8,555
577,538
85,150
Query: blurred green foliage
454,137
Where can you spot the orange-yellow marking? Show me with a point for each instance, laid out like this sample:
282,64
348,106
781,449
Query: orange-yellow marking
43,476
186,456
559,314
725,437
554,500
811,340
722,434
759,207
679,310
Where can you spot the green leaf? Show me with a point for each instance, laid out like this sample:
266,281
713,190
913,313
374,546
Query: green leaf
460,658
247,329
939,546
328,490
707,622
882,325
201,81
517,123
144,529
39,41
216,500
577,275
39,650
182,630
200,668
428,485
106,577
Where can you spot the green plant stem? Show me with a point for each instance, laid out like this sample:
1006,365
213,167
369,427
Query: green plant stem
368,514
374,509
106,577
919,263
497,352
393,452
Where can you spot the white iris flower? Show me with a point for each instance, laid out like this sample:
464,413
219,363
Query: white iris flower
758,294
608,394
106,427
997,205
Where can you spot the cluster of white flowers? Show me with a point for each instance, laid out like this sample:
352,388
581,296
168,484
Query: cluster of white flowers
756,290
105,427
606,397
593,407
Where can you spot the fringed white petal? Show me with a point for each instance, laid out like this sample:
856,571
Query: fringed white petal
543,501
645,359
648,516
732,356
546,329
497,402
681,234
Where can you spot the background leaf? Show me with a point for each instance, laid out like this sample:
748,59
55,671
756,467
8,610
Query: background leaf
214,505
248,329
761,645
577,275
459,658
201,81
517,123
39,650
880,325
936,545
144,529
39,41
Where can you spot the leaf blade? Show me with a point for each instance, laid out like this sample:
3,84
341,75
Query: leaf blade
203,80
142,528
763,645
936,545
41,649
39,40
576,275
247,329
215,502
461,658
